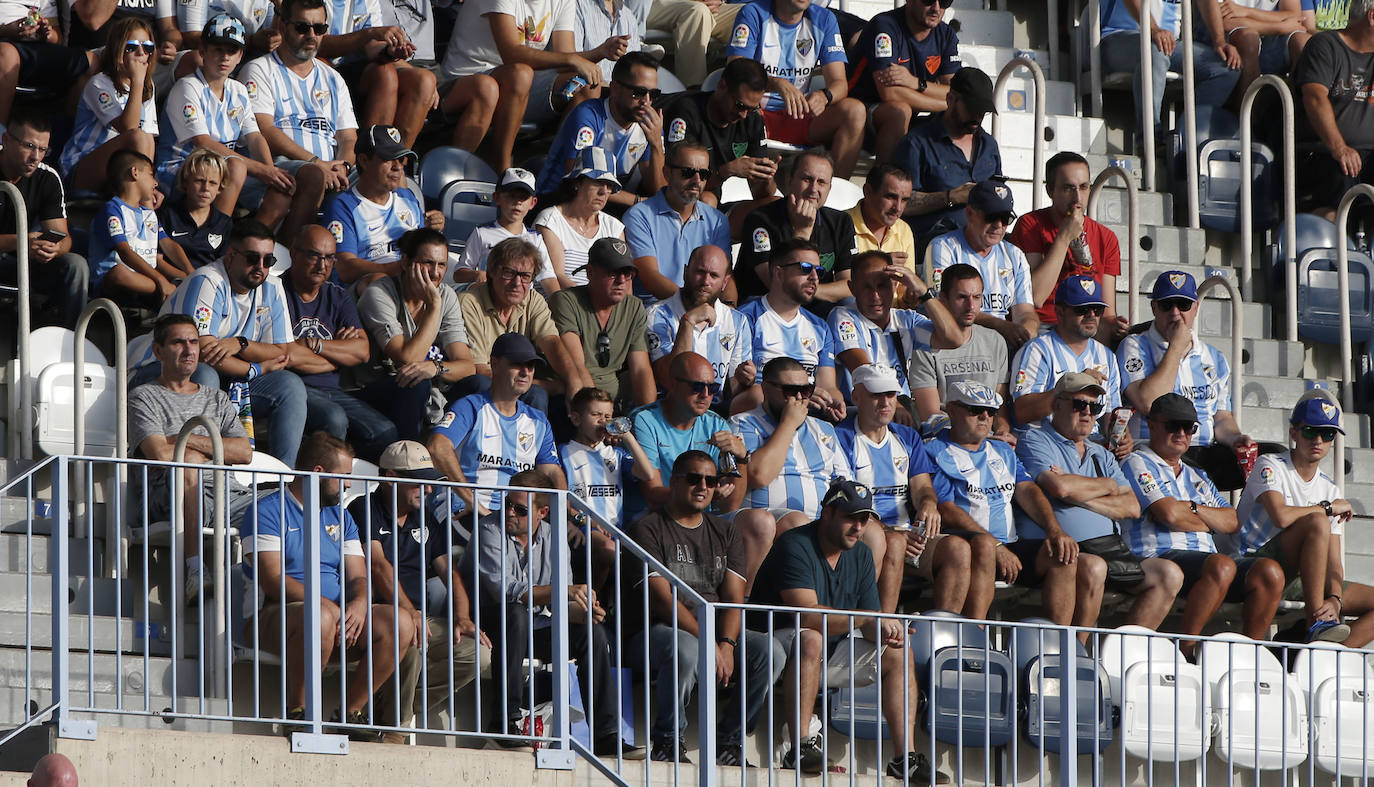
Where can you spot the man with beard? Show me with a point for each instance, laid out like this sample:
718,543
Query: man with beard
666,228
625,124
696,320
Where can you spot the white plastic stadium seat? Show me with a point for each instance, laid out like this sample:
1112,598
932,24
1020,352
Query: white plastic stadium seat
668,81
357,489
52,387
1260,712
1165,707
270,471
844,194
283,260
1340,688
466,204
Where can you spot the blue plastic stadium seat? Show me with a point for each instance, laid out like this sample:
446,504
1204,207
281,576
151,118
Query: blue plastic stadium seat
1319,298
1041,665
858,713
969,686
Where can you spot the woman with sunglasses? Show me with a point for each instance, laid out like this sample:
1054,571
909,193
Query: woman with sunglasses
579,218
117,109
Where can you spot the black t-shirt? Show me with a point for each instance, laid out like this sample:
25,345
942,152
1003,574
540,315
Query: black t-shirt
699,556
44,199
1346,75
795,563
767,228
203,243
685,118
417,547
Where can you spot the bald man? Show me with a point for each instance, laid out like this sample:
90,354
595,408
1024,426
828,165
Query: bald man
695,320
53,770
329,338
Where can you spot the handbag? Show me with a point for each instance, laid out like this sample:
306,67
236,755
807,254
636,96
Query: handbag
1123,567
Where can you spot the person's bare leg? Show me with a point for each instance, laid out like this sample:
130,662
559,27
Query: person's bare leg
1156,594
304,203
1263,591
295,650
899,696
387,633
1090,579
756,529
890,122
891,565
514,80
1206,596
841,127
9,79
951,572
1056,587
982,576
378,95
1359,600
89,172
274,207
474,100
416,98
803,670
1305,543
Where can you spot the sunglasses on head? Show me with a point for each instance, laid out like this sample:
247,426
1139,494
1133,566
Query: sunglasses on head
1169,304
639,91
1180,426
517,508
693,479
1326,433
688,173
803,391
318,28
603,349
134,46
1085,406
1084,311
699,387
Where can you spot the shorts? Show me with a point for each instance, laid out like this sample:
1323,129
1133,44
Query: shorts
782,127
1026,551
1192,563
254,190
1273,53
838,664
50,66
925,569
270,621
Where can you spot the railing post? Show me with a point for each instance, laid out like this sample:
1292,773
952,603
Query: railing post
1038,149
21,259
1147,101
1237,332
561,755
1132,227
58,569
1343,286
1247,197
1068,711
314,670
706,692
219,659
114,535
1185,13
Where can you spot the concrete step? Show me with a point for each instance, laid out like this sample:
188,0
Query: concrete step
975,26
103,673
1270,424
1361,497
84,595
1019,95
1360,462
992,59
14,706
1016,131
1215,318
1280,392
16,553
101,633
1164,243
1264,357
1152,207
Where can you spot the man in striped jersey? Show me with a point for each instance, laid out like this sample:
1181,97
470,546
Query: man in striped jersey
696,320
1180,509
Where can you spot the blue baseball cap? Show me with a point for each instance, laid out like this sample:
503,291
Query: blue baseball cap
592,162
1079,291
972,394
1174,284
990,198
1317,412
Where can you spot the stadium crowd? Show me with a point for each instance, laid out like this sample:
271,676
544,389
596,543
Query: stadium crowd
921,387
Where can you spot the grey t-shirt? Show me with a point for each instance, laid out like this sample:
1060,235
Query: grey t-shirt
1347,76
384,316
155,409
983,359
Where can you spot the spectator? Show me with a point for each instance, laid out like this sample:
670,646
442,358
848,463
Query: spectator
91,21
613,27
977,482
117,110
624,124
304,110
976,354
53,269
485,438
704,550
506,304
783,329
1090,494
190,218
891,460
211,111
578,217
513,563
158,410
329,338
277,558
368,219
822,565
727,121
1170,357
126,238
695,320
602,326
1336,124
1060,241
878,223
33,54
907,57
1180,509
694,25
1008,301
800,215
530,62
1269,36
514,199
947,154
53,770
258,17
419,339
405,552
1070,347
874,332
245,333
1213,66
600,465
1291,512
776,35
666,228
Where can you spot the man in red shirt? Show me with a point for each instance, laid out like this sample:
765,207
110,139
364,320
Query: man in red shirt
1061,241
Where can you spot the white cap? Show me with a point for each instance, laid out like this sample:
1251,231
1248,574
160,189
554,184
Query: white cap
877,378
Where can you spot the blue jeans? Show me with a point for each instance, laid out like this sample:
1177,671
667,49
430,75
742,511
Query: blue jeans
672,686
347,417
62,281
404,407
1214,79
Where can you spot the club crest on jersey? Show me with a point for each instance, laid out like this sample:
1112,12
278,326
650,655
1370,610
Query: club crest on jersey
405,217
234,113
189,111
725,340
584,138
610,464
677,130
932,64
420,534
847,330
809,344
761,240
1209,372
635,150
257,14
804,46
1005,273
740,37
336,229
332,530
739,148
900,463
320,94
882,45
215,239
525,440
652,339
150,222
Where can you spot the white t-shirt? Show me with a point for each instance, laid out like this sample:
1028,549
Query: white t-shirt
1275,473
14,10
577,246
483,238
472,50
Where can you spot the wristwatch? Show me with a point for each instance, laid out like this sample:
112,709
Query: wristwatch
439,370
922,87
1326,506
243,345
829,97
1193,505
925,296
730,641
949,203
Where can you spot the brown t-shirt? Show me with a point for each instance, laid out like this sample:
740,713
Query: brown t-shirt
700,556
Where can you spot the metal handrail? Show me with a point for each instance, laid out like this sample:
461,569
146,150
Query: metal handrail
220,660
1147,100
1343,287
1247,197
1038,144
114,536
1237,332
1132,227
1185,39
1094,51
24,446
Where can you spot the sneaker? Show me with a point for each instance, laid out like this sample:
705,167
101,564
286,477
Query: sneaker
732,755
668,751
610,745
395,738
810,760
1328,631
293,715
355,717
193,582
915,768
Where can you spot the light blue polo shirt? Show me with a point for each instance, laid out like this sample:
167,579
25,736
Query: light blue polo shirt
654,229
1039,449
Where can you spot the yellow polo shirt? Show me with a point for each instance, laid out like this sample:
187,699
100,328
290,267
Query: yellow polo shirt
898,238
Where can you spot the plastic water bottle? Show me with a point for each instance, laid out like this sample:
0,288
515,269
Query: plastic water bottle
1082,255
619,426
920,533
575,84
238,396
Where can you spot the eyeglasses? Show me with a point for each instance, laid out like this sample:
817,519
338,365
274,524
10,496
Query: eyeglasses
688,173
29,146
305,28
508,275
1169,304
1084,311
699,388
943,3
314,257
803,391
1085,406
255,259
807,268
623,273
1005,218
1180,426
517,509
1326,433
740,106
603,349
692,479
134,46
639,91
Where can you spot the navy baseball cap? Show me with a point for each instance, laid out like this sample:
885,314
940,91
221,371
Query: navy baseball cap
850,497
514,348
1317,412
383,142
1079,291
1173,407
990,198
1174,284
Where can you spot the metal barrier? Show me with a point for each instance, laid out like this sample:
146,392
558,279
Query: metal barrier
1247,197
22,447
1185,39
1132,227
1237,332
114,536
1038,151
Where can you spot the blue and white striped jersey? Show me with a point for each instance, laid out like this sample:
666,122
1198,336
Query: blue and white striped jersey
260,315
1043,360
492,447
1153,480
310,109
101,104
727,344
598,476
254,14
887,467
1118,18
120,222
981,482
805,337
346,16
192,110
368,230
907,331
813,459
792,53
1204,378
590,123
1276,473
1005,272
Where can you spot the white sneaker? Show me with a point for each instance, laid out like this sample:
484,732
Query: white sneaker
193,582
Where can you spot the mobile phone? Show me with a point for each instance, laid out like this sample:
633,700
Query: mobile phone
52,236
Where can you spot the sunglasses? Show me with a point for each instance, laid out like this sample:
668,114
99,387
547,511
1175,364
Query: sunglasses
943,3
789,391
304,28
255,259
133,46
1085,406
692,479
980,412
1180,426
1084,311
639,91
807,268
603,349
740,106
1169,304
1004,218
517,508
688,173
699,387
1326,433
